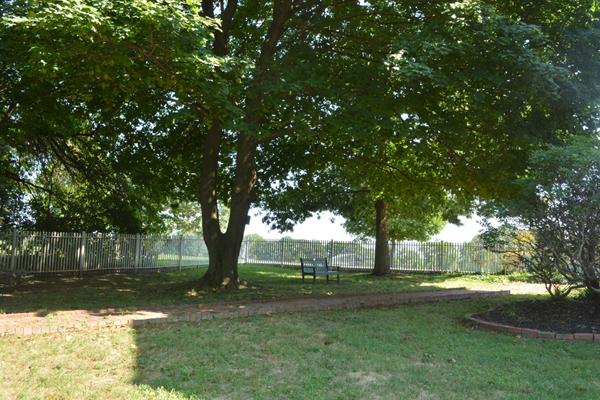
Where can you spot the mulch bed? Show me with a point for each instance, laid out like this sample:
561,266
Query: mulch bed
570,316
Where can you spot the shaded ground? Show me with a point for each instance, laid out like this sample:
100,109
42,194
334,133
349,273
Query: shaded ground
570,316
47,294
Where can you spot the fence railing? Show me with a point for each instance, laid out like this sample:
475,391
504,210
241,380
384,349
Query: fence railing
360,256
83,253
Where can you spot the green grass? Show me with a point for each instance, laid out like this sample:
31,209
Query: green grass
166,288
415,351
408,351
171,260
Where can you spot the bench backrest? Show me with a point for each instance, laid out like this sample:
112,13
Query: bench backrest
319,264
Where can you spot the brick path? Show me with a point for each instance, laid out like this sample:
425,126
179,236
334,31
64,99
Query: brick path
35,323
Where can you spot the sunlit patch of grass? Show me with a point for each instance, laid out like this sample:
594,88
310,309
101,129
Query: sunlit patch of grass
193,293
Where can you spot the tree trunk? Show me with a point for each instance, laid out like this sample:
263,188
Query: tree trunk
224,248
596,285
596,305
223,267
382,248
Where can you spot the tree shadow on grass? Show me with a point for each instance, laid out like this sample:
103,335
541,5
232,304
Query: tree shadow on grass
219,358
49,294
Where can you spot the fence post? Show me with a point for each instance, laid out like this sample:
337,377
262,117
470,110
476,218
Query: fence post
136,258
442,269
82,254
331,251
392,251
180,251
13,249
247,240
282,251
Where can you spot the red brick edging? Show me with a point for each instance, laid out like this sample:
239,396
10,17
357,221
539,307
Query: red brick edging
34,323
524,332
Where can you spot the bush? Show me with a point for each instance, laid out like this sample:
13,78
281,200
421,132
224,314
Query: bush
555,216
582,294
15,277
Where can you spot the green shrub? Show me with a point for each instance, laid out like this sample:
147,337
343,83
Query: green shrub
15,277
582,294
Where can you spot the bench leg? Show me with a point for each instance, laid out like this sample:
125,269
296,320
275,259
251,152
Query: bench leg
338,279
314,278
327,278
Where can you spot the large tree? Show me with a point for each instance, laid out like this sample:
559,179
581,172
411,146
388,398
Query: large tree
375,202
471,93
452,91
391,221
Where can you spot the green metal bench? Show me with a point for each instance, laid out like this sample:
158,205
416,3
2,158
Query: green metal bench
318,267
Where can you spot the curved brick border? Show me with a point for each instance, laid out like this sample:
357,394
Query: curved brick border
524,332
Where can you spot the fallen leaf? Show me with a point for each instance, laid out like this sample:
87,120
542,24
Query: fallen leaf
327,343
405,338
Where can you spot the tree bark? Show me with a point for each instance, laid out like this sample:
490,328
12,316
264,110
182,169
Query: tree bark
596,305
224,248
382,248
596,285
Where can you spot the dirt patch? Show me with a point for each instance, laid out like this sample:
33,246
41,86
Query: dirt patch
515,288
365,378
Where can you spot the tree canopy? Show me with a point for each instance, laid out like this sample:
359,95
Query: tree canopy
375,203
150,102
87,88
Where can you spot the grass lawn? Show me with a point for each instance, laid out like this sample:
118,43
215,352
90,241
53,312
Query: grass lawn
415,351
411,351
166,288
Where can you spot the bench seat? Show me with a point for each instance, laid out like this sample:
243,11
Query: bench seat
318,267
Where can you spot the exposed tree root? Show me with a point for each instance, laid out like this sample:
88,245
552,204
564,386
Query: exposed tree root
381,273
208,282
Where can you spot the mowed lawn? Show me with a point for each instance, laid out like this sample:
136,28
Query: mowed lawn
413,351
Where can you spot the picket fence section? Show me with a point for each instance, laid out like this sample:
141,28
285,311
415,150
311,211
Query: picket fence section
84,253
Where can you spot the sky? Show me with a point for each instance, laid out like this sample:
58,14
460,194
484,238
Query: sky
324,229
